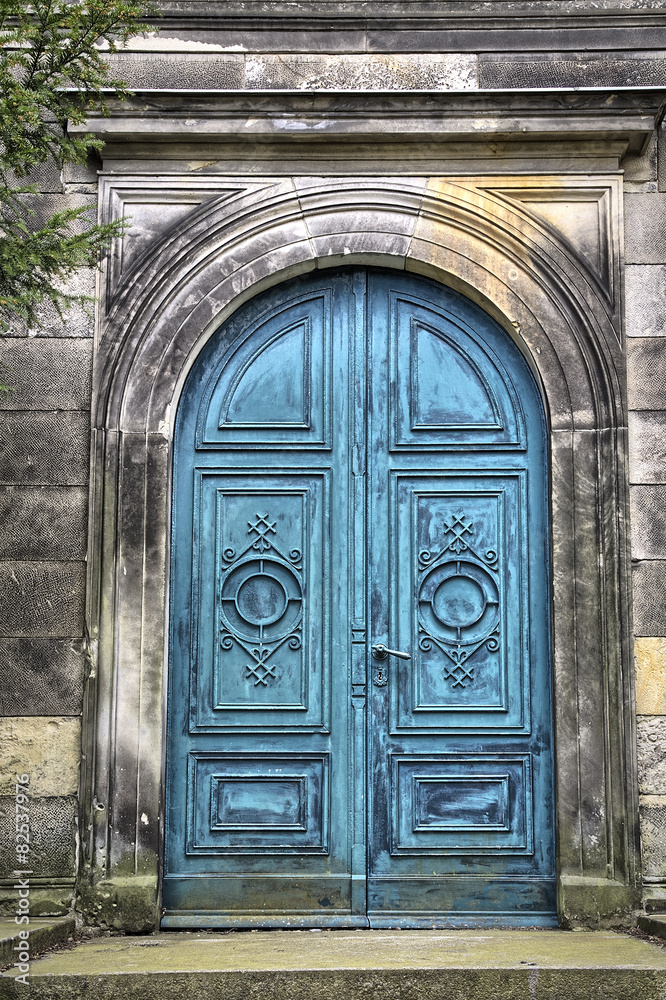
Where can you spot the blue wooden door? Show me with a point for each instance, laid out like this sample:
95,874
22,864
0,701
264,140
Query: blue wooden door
359,461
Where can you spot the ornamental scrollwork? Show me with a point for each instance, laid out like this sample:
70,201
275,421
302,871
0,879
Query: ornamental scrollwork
261,599
458,599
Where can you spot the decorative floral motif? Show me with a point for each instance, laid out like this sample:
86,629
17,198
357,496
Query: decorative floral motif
261,600
458,607
458,527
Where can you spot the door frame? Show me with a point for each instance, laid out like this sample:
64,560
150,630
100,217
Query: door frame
479,236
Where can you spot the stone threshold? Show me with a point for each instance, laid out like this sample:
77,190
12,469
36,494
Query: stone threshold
350,965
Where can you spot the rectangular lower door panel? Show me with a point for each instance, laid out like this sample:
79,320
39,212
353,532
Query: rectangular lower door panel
511,900
478,804
257,804
245,901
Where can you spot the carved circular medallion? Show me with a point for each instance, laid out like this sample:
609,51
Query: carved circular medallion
459,602
261,599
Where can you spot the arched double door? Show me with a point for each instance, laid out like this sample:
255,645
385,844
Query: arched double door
360,461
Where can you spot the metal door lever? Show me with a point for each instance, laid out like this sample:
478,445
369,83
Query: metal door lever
380,652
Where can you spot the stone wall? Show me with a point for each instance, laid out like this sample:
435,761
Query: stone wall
645,296
44,474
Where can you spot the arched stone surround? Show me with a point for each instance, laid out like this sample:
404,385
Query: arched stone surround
472,234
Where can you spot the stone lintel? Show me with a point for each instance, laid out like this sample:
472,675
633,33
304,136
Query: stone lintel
623,116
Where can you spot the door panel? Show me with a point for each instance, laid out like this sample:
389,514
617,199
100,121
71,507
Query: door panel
359,459
459,544
274,385
480,406
461,784
260,778
264,539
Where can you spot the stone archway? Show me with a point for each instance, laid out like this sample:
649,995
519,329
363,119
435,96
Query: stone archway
562,313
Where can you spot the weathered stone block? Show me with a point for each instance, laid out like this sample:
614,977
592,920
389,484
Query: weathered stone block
43,522
646,372
46,375
645,227
645,300
51,901
42,676
42,598
642,167
82,173
650,663
44,448
425,71
651,739
555,69
39,208
653,835
183,71
127,904
648,522
52,836
77,320
46,177
649,585
647,447
47,748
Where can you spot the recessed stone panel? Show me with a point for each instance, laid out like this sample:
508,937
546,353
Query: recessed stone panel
43,522
42,598
46,748
52,836
649,580
646,372
647,446
44,448
45,374
41,676
180,71
648,522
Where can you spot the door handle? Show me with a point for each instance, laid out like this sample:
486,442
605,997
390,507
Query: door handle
380,652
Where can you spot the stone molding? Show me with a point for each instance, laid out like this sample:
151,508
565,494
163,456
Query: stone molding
625,117
485,237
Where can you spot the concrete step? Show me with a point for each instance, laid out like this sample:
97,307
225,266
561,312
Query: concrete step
43,933
351,965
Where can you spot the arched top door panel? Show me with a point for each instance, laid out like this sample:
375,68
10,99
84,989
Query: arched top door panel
445,386
270,383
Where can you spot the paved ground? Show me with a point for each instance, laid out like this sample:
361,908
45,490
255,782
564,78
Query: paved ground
336,965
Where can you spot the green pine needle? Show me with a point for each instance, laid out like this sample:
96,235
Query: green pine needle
52,71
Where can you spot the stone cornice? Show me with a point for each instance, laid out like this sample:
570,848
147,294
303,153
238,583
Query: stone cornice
624,116
436,11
